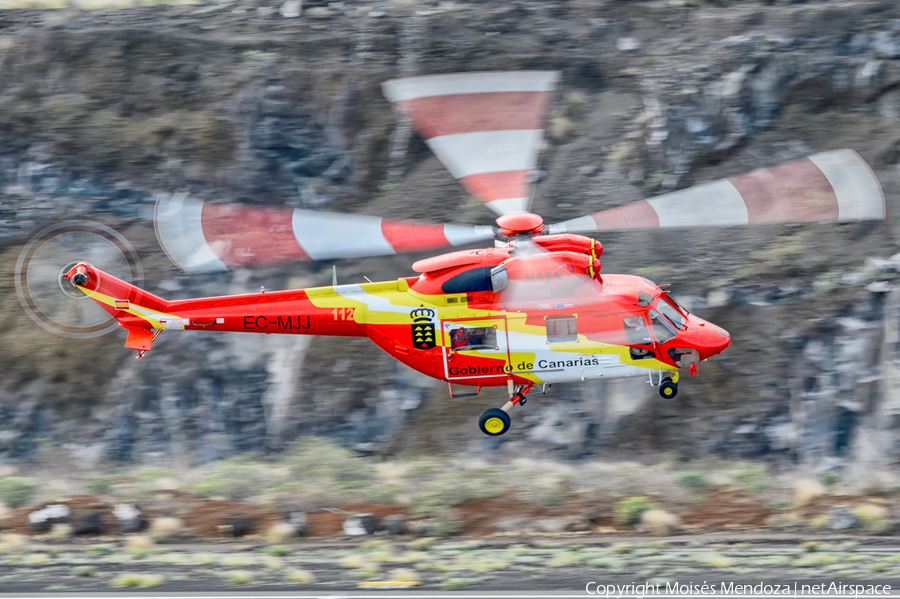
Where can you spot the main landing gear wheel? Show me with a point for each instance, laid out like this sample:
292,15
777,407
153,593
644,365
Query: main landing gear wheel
668,389
494,422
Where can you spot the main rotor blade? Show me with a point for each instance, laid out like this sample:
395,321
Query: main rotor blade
202,236
828,186
486,128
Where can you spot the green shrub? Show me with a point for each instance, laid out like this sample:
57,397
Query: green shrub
101,550
101,484
17,491
829,479
605,563
816,559
445,523
303,576
454,584
694,481
751,477
154,474
236,479
137,580
627,512
239,577
329,473
437,485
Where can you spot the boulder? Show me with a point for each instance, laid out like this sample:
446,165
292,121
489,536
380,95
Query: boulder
42,520
885,46
291,9
841,518
361,524
236,526
297,520
88,524
628,44
129,518
394,524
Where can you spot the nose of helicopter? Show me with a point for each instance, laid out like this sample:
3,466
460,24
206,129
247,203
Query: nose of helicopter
711,339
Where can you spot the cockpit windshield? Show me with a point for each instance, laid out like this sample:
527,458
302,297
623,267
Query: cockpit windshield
673,315
677,305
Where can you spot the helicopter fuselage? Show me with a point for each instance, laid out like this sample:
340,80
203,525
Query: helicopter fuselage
476,317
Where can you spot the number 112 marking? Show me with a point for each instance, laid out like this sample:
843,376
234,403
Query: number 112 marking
343,313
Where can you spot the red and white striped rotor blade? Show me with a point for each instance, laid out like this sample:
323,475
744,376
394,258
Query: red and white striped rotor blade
203,236
486,128
829,186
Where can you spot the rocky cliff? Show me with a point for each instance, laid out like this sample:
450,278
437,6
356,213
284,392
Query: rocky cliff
101,111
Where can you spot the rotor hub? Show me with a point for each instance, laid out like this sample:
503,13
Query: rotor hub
520,224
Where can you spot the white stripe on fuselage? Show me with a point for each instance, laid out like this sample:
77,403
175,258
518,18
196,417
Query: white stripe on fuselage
609,366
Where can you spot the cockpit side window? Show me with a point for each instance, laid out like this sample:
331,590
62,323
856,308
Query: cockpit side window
674,316
663,330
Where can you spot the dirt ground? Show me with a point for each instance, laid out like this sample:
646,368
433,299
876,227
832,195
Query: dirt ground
727,508
721,510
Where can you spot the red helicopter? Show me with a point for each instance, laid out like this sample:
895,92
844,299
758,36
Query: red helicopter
531,311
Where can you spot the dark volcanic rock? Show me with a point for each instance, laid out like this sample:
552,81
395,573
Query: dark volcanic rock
103,111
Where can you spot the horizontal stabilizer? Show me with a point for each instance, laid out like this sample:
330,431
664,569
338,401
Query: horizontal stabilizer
139,339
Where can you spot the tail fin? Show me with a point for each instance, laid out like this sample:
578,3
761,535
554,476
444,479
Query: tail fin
137,310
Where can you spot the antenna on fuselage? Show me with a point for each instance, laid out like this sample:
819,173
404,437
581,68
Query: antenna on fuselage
334,275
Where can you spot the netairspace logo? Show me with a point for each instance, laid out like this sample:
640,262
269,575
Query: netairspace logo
834,589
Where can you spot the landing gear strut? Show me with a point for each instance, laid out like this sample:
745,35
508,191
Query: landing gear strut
496,421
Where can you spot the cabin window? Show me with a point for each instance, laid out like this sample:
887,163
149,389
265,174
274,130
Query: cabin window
471,338
636,332
661,327
561,329
470,281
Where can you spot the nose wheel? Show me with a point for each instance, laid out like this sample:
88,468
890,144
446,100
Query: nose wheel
668,389
496,421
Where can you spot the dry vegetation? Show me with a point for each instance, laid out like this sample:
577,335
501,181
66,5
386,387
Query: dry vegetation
451,495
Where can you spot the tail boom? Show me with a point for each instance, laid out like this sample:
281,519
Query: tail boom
144,315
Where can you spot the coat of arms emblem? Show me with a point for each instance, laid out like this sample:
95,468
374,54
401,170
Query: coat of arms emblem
423,335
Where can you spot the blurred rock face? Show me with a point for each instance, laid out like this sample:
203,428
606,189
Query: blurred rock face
102,111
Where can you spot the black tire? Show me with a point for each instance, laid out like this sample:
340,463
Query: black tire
494,422
668,389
